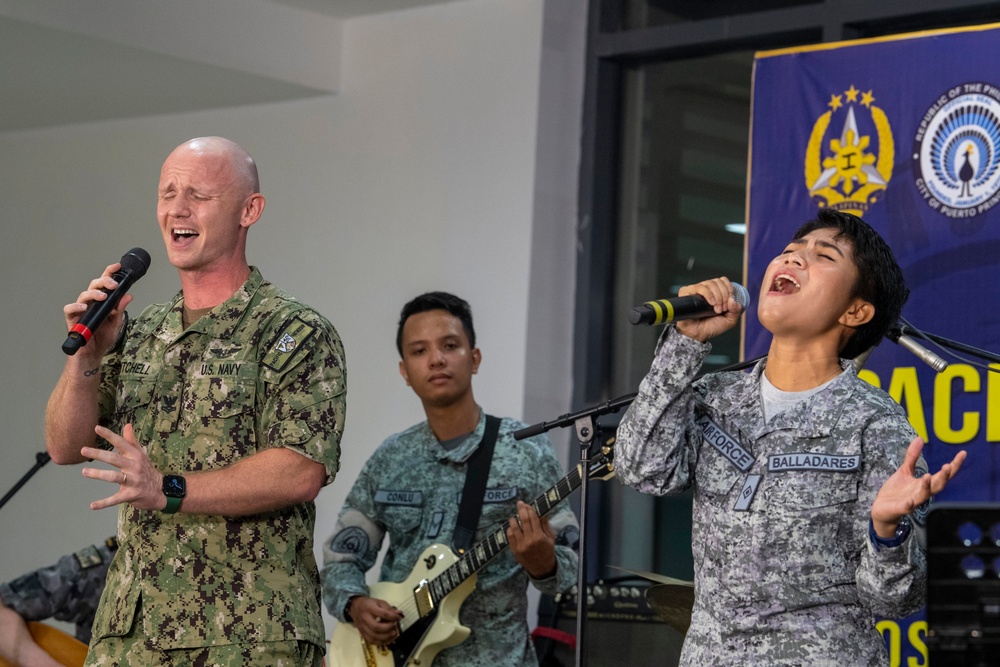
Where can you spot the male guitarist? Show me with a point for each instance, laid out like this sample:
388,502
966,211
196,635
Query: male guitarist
410,489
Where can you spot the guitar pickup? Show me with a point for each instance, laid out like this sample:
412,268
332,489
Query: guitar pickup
422,596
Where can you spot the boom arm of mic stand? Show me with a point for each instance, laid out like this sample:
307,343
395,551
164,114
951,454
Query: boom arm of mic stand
614,405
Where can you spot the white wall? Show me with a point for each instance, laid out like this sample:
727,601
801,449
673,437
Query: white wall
419,176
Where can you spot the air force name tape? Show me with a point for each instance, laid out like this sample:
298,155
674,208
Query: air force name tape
728,446
807,461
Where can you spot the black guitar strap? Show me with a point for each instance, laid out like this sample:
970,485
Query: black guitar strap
475,487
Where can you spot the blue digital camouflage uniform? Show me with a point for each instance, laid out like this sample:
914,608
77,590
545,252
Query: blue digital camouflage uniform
261,370
785,572
429,480
68,591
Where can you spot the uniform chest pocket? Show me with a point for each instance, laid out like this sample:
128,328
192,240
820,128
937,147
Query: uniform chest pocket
812,520
496,515
218,418
401,519
219,397
134,403
715,476
803,490
134,392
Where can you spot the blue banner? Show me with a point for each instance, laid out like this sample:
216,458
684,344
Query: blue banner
904,132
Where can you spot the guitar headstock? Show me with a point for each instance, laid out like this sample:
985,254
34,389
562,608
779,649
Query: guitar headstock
603,467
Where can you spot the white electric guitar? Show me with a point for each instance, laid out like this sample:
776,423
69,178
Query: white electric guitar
432,595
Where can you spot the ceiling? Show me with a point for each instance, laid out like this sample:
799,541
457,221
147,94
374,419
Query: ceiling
57,76
352,8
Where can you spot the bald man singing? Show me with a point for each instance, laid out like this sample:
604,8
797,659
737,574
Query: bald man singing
219,414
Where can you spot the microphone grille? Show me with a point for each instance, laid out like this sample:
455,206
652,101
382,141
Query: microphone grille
136,262
741,295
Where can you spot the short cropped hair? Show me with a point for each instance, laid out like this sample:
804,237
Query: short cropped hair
880,280
437,301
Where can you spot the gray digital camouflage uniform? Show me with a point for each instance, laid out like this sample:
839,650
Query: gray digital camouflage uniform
785,572
67,591
260,370
428,480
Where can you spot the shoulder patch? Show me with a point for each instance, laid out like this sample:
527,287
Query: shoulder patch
88,557
293,335
350,540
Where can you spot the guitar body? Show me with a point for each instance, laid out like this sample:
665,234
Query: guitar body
421,639
63,648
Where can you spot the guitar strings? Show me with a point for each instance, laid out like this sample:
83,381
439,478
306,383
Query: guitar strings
409,608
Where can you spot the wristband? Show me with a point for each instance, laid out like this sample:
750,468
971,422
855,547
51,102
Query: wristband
347,608
902,532
173,504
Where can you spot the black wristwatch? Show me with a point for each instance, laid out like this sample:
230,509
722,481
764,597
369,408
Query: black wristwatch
174,488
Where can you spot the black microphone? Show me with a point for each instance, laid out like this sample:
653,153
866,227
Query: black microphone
693,307
134,264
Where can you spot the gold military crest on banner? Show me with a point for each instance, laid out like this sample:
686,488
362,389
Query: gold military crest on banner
848,165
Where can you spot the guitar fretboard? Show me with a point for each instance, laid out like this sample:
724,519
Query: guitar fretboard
475,558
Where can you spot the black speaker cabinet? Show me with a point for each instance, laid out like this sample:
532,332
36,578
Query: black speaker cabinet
963,584
621,628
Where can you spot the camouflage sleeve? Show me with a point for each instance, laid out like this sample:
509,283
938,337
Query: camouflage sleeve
561,520
891,580
69,590
655,451
107,396
353,548
305,385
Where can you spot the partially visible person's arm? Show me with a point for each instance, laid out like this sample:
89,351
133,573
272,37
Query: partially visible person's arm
16,643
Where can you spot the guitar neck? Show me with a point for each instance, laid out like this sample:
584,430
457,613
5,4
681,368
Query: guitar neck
482,553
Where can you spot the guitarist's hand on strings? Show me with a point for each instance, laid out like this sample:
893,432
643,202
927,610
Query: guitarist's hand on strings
532,542
376,620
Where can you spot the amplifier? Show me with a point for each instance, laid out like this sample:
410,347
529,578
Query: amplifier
621,629
619,601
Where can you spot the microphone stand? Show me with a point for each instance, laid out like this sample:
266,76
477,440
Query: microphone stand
41,458
586,430
908,330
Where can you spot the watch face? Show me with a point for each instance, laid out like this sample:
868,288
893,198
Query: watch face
174,486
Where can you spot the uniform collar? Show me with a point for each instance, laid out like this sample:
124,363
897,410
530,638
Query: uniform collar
222,321
461,453
814,417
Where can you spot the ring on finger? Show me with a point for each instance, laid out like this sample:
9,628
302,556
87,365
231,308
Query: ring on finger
124,478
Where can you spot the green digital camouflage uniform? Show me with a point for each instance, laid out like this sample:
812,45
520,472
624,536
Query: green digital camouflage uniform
410,489
261,370
785,570
68,591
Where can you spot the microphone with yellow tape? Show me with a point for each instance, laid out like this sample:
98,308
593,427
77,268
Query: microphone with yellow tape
664,311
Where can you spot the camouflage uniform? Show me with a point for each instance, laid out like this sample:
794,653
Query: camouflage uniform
259,371
785,572
67,591
429,480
